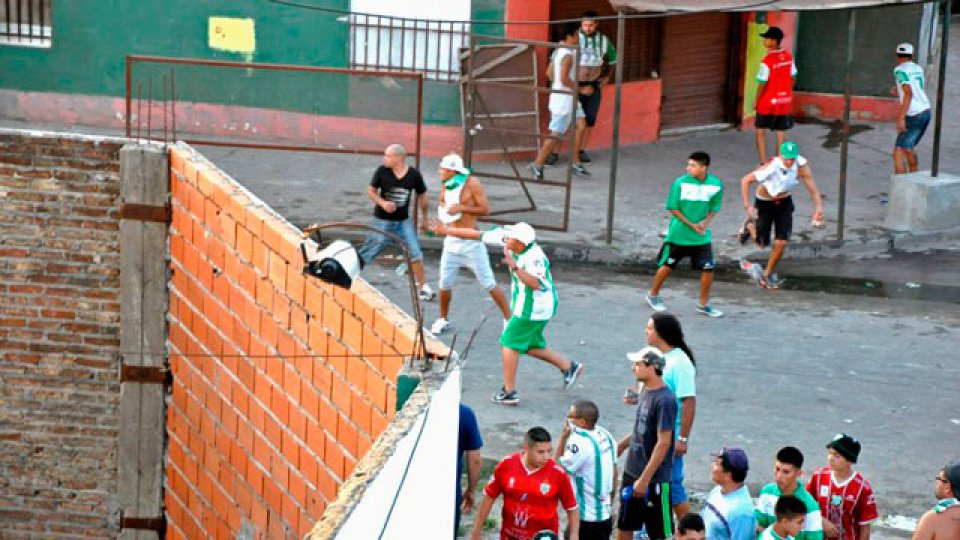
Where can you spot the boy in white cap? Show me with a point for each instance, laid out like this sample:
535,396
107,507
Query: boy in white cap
533,303
461,201
914,114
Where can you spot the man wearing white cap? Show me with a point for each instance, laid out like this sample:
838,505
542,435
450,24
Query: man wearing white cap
914,115
533,302
461,201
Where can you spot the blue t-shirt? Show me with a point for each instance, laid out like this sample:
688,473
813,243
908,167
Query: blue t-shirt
468,440
729,516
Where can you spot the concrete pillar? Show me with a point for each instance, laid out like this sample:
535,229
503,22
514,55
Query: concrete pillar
919,202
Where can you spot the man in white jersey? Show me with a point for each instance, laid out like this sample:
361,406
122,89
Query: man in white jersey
533,302
773,206
587,452
563,77
914,114
461,201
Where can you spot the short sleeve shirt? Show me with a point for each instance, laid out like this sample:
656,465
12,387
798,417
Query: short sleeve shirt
590,457
848,505
777,178
596,49
694,199
396,190
777,71
911,74
530,304
657,411
530,497
812,522
729,516
469,439
680,376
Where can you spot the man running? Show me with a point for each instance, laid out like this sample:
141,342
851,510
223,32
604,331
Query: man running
461,201
532,485
588,453
533,303
774,103
773,207
693,202
914,114
943,521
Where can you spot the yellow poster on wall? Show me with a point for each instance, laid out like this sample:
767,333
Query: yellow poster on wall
232,35
755,52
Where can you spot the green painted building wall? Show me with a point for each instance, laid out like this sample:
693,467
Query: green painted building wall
91,38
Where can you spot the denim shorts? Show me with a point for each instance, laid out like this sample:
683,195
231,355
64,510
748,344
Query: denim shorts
376,243
677,493
916,127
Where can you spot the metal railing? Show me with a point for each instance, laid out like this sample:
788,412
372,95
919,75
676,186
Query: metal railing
26,23
386,43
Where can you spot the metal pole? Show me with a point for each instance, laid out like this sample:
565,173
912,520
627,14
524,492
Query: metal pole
845,143
941,82
615,154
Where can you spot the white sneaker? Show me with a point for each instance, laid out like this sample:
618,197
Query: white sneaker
426,293
439,326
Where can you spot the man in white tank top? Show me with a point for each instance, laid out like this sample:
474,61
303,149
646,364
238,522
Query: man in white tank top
461,201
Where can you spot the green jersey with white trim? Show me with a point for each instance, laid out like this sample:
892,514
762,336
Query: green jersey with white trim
589,458
694,199
769,534
912,75
812,522
538,304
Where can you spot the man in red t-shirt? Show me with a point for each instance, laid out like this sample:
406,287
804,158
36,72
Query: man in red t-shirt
531,484
774,103
845,497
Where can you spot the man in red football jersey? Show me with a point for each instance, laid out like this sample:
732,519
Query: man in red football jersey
846,499
774,102
531,484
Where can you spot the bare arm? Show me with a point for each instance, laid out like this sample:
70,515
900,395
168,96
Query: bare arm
806,176
865,532
482,512
924,530
686,422
573,521
374,195
459,232
474,463
904,107
565,64
531,281
745,193
423,200
759,93
623,444
664,438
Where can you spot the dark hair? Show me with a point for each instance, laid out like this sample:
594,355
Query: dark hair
701,157
668,328
789,507
791,456
691,521
567,29
737,475
590,14
536,435
905,56
588,411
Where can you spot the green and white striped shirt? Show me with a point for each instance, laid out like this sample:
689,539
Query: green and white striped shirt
596,48
812,522
589,458
525,303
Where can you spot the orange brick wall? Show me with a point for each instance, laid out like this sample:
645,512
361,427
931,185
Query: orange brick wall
281,383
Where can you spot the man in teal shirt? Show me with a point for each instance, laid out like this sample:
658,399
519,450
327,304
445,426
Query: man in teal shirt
694,201
787,469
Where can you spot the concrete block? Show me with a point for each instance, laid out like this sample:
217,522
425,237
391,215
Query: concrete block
920,202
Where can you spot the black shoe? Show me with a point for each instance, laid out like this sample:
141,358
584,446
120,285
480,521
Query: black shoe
584,157
552,158
570,376
505,398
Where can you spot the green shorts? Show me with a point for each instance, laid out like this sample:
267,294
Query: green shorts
522,334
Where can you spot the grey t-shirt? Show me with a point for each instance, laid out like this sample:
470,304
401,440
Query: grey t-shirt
656,412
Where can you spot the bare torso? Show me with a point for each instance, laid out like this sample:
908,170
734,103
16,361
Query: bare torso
468,197
939,526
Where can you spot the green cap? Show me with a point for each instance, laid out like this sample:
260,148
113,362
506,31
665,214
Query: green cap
789,150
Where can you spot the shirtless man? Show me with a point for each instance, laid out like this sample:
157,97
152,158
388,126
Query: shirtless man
461,201
943,521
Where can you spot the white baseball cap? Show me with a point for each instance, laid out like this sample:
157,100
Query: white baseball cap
648,355
522,232
453,162
905,48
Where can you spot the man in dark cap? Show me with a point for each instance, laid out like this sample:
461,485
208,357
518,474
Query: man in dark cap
845,497
942,522
729,513
774,98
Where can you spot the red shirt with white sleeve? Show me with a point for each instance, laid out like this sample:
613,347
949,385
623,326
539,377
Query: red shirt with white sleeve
847,505
530,497
777,71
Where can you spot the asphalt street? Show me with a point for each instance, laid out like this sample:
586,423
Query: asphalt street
780,368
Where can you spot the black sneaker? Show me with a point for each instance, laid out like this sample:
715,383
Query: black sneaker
552,158
570,376
505,398
585,157
579,170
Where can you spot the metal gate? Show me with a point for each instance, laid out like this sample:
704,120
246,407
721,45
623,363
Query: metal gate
500,100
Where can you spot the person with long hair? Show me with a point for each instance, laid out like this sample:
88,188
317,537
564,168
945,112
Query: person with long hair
679,374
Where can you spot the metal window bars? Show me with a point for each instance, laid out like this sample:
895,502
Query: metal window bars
25,23
387,43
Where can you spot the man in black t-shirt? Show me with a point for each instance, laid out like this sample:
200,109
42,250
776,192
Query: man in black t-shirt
391,190
645,495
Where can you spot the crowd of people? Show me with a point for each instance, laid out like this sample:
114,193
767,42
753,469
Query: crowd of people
582,473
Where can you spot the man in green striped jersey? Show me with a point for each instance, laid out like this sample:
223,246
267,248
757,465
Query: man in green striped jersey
586,451
533,302
789,512
787,470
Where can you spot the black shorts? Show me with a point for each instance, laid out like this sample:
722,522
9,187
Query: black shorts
776,122
593,530
770,214
701,257
653,512
591,103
